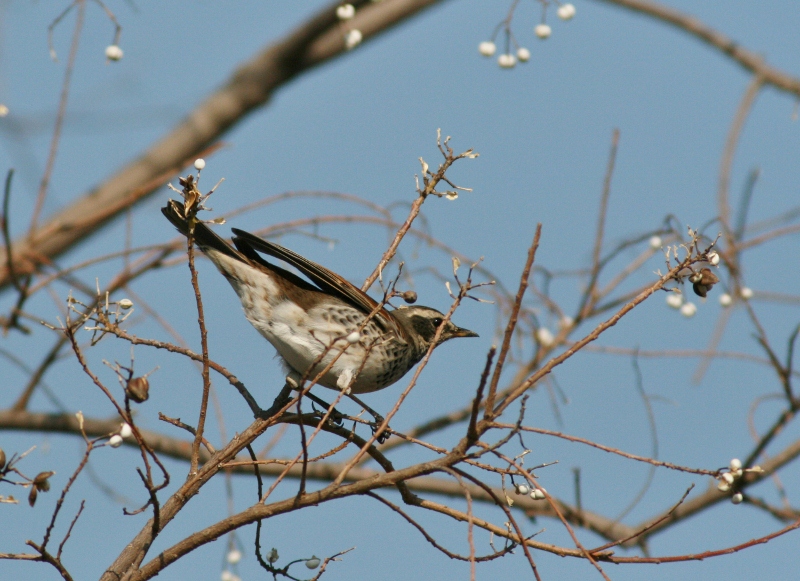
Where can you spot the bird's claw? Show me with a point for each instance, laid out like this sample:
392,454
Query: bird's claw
383,436
336,417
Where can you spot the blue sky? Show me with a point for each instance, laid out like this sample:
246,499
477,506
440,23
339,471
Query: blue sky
357,125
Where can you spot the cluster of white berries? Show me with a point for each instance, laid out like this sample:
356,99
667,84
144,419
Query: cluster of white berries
125,431
352,37
726,300
726,479
232,557
507,60
676,300
535,494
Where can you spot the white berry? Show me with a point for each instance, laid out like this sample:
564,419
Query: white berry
506,61
655,242
345,12
487,48
115,441
354,337
688,310
199,163
125,431
713,258
674,300
113,52
545,337
542,31
566,11
725,300
234,556
735,465
523,54
313,562
723,486
737,498
746,292
522,489
4,110
727,477
353,39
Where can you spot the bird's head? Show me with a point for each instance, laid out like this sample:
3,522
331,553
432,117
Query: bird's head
424,321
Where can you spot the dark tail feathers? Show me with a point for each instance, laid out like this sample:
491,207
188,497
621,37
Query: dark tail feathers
204,237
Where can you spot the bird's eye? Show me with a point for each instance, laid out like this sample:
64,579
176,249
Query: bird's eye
437,321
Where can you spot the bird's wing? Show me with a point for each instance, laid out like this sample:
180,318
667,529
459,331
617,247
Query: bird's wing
207,239
327,280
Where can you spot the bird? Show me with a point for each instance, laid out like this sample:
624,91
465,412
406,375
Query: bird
312,323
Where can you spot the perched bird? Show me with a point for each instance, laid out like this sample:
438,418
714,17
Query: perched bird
310,324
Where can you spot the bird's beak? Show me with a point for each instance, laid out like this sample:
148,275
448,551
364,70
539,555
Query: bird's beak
461,332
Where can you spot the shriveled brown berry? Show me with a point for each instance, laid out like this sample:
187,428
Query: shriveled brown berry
410,297
138,389
42,482
703,281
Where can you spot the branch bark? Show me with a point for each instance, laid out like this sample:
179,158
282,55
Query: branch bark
251,86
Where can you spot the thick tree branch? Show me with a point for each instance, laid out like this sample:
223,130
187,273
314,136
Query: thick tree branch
251,86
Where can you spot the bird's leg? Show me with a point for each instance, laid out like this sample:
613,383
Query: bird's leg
258,413
280,401
293,381
377,417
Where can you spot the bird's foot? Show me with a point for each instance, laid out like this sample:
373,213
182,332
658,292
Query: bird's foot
385,434
375,424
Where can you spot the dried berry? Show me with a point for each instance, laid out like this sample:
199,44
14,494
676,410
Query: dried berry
41,481
138,389
703,281
410,297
